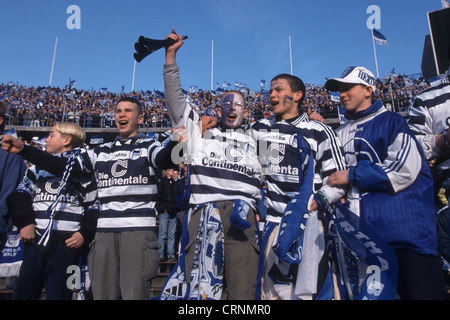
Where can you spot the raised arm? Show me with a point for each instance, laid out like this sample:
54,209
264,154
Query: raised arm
44,160
173,96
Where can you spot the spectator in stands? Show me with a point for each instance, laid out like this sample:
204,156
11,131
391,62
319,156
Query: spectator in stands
167,214
72,229
428,117
282,134
222,196
391,183
12,169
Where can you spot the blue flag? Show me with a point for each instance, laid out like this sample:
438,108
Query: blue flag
379,38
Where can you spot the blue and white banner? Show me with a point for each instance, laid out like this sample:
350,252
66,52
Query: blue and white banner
97,139
335,97
367,265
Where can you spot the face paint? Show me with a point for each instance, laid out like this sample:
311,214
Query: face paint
282,99
232,110
288,99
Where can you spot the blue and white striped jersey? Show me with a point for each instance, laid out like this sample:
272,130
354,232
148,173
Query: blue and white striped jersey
43,187
224,163
279,155
428,116
126,182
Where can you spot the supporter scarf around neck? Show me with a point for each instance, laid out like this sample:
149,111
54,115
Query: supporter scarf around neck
72,155
288,244
294,241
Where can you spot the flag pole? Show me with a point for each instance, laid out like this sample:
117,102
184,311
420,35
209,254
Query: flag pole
53,62
212,63
134,73
375,53
290,54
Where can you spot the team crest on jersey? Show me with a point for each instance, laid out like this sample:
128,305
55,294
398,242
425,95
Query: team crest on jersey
233,152
119,168
135,154
275,153
52,185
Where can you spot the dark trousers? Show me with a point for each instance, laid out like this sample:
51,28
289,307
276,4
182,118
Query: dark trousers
45,267
420,277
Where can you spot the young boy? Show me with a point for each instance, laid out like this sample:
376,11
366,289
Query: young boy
72,228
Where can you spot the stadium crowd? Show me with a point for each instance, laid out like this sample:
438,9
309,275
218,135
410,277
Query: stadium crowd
48,107
42,106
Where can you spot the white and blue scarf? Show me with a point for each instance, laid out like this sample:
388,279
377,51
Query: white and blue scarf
43,240
293,241
206,279
11,256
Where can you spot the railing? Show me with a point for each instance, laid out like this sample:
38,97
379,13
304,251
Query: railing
98,121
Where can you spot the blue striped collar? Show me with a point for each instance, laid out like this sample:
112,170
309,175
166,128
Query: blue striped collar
375,107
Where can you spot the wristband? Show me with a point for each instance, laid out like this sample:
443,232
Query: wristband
321,201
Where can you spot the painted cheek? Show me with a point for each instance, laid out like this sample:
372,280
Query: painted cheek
288,99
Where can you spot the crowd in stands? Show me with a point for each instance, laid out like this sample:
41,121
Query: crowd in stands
42,106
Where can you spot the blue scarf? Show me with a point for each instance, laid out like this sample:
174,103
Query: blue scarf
206,279
289,245
367,267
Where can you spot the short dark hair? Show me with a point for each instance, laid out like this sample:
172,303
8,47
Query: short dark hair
295,83
132,100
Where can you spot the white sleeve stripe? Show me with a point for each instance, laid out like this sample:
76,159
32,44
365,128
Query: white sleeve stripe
335,148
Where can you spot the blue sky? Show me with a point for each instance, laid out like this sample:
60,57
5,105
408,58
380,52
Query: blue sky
251,40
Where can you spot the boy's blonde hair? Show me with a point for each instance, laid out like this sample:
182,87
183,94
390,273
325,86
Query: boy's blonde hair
72,129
